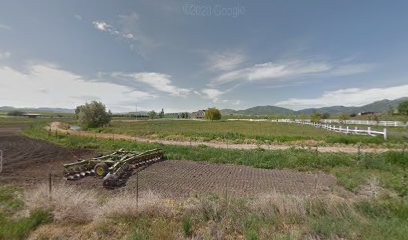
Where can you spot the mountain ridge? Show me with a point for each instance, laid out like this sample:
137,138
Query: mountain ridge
377,106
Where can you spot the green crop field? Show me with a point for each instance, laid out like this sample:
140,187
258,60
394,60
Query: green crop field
236,132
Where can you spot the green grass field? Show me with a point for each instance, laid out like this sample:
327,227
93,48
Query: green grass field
237,132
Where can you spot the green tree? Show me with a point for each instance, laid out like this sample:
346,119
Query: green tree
390,110
315,117
161,114
15,113
403,108
152,114
213,114
325,115
343,117
91,115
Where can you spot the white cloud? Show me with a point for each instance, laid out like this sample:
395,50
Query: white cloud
48,85
347,97
78,17
5,27
158,81
225,61
130,30
102,26
4,55
351,69
212,94
294,69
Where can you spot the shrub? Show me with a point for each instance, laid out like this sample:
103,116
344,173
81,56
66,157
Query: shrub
15,113
213,114
187,226
92,115
403,108
20,228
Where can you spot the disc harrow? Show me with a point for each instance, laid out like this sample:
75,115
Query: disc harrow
114,168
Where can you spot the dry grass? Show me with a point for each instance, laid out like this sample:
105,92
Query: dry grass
125,205
297,208
265,216
67,203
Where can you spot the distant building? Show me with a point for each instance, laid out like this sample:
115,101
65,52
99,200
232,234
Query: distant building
367,113
200,114
31,115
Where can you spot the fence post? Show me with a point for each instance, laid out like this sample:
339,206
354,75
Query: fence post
49,185
385,134
1,161
356,130
348,129
358,151
137,189
369,130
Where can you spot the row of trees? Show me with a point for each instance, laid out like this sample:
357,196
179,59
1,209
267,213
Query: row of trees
95,114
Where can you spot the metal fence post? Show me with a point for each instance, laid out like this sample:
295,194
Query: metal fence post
137,189
1,161
50,185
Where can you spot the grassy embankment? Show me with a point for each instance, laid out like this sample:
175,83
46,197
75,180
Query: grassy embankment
382,214
241,132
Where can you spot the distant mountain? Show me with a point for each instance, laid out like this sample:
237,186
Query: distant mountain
41,109
260,110
378,106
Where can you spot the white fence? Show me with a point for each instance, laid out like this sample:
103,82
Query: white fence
346,130
338,121
367,122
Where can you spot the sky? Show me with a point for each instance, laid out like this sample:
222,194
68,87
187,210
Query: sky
185,55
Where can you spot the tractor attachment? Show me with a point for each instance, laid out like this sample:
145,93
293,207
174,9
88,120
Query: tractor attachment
114,168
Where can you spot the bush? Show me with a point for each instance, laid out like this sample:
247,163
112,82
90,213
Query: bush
213,114
187,226
15,113
92,115
403,108
21,227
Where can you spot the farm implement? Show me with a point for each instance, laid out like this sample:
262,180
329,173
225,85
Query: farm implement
114,168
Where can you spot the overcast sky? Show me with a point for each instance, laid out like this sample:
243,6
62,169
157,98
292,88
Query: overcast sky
184,55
